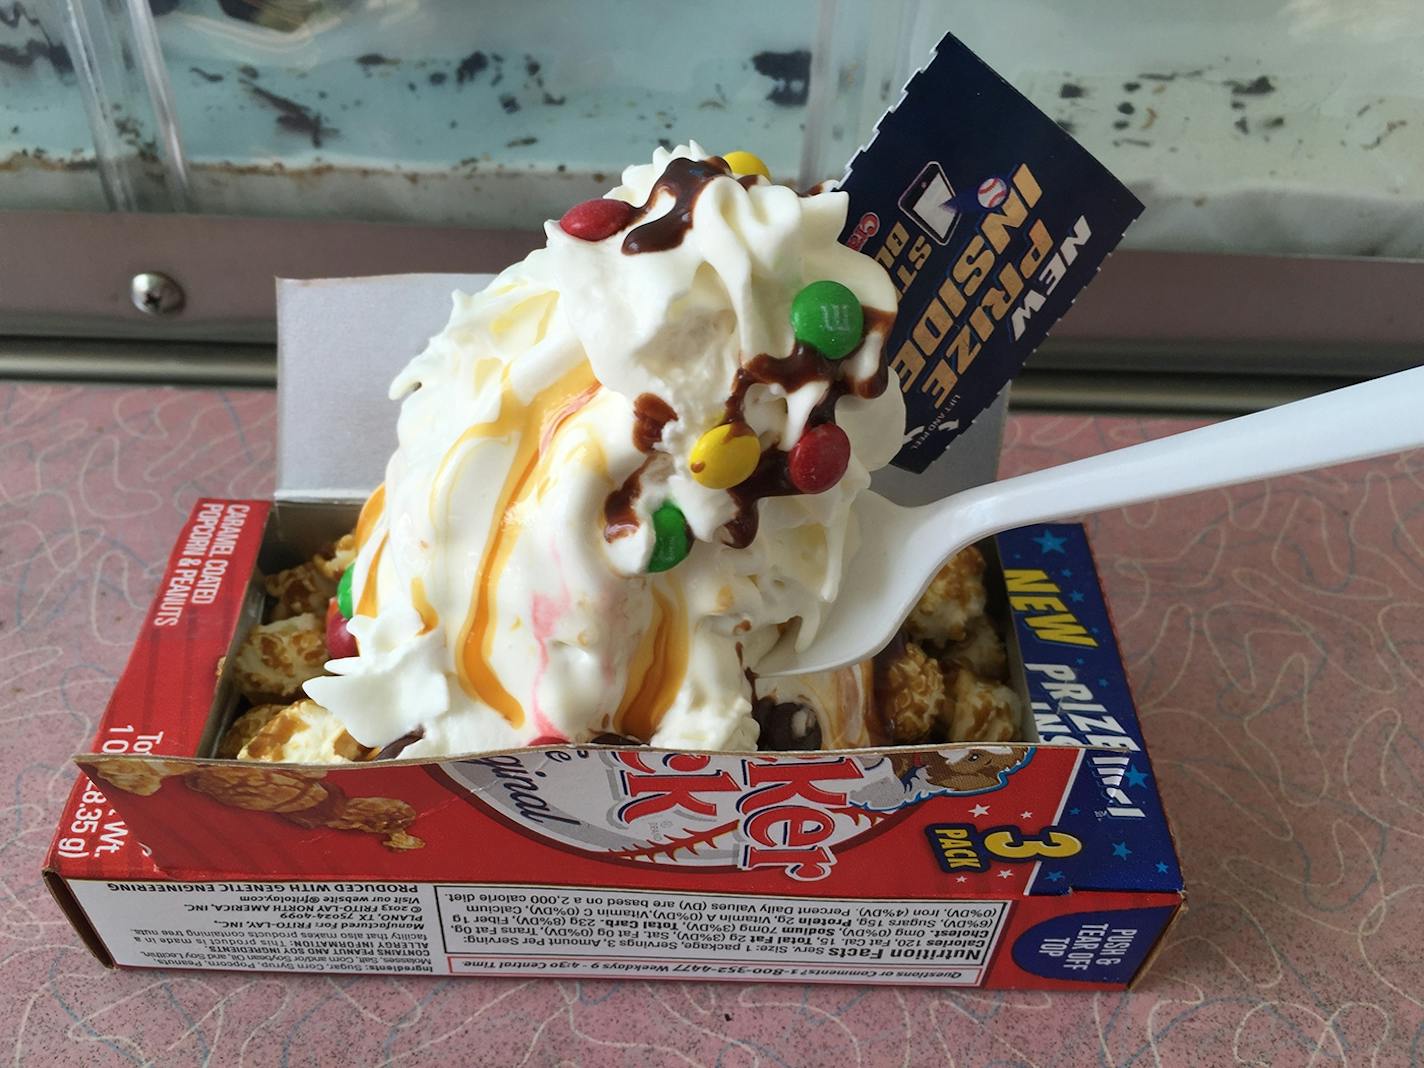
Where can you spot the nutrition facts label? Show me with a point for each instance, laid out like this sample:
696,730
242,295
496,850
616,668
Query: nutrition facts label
492,929
292,927
719,934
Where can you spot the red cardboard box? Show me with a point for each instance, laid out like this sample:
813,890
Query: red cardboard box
1045,864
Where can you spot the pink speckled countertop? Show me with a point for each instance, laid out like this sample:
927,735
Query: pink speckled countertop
1274,634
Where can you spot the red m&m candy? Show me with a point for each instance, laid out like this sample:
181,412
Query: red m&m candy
340,642
819,459
593,220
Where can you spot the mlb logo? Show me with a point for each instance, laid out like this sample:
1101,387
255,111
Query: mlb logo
929,201
936,208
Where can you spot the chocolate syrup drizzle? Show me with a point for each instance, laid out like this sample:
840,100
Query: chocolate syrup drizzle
803,366
620,517
684,179
397,747
650,415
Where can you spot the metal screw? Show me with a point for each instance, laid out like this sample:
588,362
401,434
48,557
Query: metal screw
154,293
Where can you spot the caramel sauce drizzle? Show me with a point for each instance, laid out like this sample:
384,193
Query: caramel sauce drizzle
371,513
534,424
428,616
366,604
656,671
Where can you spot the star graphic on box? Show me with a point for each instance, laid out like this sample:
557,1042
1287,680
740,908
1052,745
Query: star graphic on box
1050,542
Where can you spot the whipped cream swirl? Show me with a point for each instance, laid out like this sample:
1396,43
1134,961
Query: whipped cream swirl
497,602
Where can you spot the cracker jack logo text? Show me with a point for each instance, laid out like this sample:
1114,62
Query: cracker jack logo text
785,814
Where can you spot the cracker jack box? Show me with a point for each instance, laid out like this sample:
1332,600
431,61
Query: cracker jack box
1043,863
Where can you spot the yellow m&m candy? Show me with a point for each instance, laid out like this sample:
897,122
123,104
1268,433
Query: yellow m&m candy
745,163
725,456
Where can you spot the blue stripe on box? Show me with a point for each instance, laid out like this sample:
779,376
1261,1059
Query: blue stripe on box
1080,696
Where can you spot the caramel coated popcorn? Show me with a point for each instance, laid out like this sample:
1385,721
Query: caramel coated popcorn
333,560
912,695
944,681
906,695
953,600
301,733
244,729
981,651
300,797
374,815
278,790
276,658
300,590
142,777
980,710
388,817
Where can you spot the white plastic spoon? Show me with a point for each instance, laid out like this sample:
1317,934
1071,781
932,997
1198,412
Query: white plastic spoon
902,548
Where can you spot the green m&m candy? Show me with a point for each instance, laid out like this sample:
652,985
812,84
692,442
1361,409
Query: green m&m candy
828,317
343,594
671,543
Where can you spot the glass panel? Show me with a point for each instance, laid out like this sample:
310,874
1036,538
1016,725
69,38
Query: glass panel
47,158
1244,126
498,113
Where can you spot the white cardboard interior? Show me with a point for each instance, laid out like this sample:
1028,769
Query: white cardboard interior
340,341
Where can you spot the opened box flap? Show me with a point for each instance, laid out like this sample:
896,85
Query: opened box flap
340,342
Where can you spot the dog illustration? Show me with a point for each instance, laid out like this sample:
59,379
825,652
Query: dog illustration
916,776
958,770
